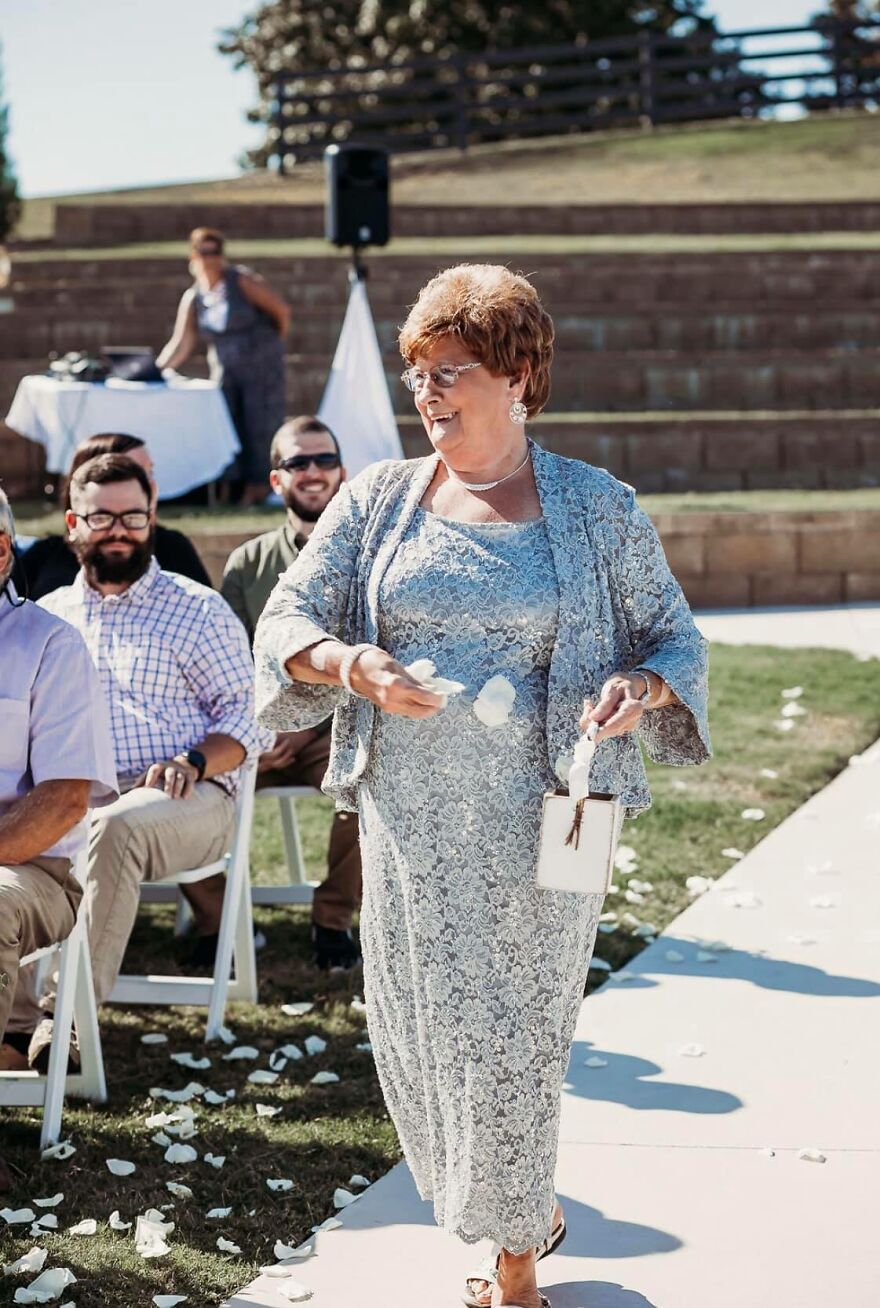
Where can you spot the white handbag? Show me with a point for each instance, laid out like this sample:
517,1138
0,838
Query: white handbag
579,832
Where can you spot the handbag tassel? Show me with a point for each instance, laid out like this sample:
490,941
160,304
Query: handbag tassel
574,835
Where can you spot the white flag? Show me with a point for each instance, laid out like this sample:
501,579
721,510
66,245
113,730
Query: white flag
356,405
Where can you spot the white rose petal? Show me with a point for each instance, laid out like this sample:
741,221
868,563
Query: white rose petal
621,976
168,1300
279,1183
673,956
742,899
784,724
342,1198
215,1160
607,928
180,1153
823,901
33,1261
267,1110
298,1009
294,1291
767,1152
227,1246
212,1097
495,701
293,1052
595,1061
811,1156
194,1064
324,1078
793,692
315,1045
48,1286
633,897
329,1225
692,1051
753,814
769,774
262,1077
59,1151
644,931
218,1212
87,1227
697,886
179,1190
732,852
425,673
154,1038
801,940
192,1090
241,1052
359,1181
357,1005
119,1166
116,1223
704,956
793,711
46,1222
365,1048
161,1139
17,1216
277,1061
562,767
599,965
643,887
51,1202
283,1252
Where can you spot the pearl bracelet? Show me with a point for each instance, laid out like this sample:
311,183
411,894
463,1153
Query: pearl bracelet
347,662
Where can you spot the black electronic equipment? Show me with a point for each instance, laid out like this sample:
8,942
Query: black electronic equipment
357,196
132,362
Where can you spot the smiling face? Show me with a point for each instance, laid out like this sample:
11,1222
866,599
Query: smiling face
309,490
470,421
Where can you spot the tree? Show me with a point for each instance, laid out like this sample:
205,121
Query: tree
10,206
299,37
855,54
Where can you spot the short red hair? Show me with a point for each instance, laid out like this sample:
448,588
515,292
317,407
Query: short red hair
496,314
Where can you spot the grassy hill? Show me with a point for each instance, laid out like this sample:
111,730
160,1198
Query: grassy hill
831,158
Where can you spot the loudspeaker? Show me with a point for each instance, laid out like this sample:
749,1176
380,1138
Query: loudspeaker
357,195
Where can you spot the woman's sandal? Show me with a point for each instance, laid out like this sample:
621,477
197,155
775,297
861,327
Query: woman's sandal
489,1271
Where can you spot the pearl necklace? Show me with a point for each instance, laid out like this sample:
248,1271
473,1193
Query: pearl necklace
490,485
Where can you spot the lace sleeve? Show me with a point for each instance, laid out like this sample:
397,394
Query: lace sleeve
663,638
309,604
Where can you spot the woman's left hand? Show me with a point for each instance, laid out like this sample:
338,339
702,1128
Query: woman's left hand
618,710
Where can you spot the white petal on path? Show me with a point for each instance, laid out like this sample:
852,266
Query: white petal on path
812,1156
692,1051
595,1061
342,1198
120,1166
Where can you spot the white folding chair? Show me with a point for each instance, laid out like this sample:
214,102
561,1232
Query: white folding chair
74,1006
298,890
236,939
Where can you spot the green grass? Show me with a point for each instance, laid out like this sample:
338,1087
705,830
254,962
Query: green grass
324,1134
36,519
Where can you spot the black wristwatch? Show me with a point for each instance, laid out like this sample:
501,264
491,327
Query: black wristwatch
196,759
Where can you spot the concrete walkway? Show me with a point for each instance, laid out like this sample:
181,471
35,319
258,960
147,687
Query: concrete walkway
854,627
672,1195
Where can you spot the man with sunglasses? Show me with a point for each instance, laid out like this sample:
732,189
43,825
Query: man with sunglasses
178,681
306,473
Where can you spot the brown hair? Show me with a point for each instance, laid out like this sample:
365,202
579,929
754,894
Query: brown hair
306,422
107,468
201,235
496,314
106,442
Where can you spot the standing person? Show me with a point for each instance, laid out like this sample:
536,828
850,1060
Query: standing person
489,557
56,762
245,324
178,679
51,561
306,472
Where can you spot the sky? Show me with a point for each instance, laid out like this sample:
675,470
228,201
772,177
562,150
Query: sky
108,93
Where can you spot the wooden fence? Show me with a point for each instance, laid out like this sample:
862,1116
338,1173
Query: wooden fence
465,99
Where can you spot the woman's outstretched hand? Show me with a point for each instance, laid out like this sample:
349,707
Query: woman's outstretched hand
380,678
617,710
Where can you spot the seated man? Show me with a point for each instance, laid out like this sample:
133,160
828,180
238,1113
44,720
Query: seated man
55,762
306,472
178,679
51,562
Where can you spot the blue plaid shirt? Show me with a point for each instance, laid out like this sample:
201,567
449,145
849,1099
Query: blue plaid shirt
174,665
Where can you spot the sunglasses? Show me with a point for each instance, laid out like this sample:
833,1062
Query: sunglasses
132,519
444,375
299,462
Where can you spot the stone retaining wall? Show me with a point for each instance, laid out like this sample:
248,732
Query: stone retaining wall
738,560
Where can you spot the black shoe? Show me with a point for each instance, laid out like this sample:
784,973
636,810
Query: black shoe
334,950
204,951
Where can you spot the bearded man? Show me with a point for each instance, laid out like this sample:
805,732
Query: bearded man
178,681
306,473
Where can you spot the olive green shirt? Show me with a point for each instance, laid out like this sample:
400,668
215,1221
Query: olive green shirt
253,569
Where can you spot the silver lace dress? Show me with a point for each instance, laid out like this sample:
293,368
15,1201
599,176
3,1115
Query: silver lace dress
473,976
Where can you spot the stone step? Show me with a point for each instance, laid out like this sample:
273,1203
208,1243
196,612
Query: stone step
109,223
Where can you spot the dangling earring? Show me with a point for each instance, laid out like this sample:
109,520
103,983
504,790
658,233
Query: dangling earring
518,412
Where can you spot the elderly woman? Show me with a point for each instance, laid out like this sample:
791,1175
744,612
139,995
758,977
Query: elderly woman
245,324
488,557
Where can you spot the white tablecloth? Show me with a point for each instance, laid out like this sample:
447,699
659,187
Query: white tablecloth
185,423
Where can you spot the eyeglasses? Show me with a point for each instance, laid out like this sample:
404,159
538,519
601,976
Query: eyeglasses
299,462
131,519
444,375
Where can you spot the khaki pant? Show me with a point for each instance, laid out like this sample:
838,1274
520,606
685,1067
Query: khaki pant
145,836
339,896
38,903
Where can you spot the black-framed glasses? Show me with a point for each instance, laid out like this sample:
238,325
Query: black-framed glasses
299,462
444,375
101,520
